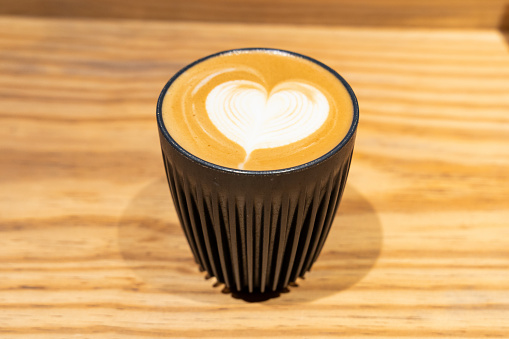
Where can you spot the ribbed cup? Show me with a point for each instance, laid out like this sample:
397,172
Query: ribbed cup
256,230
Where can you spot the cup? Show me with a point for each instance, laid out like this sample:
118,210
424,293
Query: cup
256,231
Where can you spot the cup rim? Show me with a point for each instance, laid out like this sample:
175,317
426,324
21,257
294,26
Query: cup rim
322,158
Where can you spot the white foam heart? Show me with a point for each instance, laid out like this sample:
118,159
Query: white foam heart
253,118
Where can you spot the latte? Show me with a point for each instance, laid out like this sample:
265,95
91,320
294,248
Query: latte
257,110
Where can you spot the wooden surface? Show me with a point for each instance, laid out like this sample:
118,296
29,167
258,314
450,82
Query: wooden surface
396,13
90,244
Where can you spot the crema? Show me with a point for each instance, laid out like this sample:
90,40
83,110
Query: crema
257,110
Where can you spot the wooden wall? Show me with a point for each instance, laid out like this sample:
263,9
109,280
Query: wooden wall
397,13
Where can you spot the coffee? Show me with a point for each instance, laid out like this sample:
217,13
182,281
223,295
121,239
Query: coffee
226,116
257,110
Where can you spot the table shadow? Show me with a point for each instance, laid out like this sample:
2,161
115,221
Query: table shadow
157,251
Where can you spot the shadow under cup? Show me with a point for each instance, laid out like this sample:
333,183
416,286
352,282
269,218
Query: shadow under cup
256,231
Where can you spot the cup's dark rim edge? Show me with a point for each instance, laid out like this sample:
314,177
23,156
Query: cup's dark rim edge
297,168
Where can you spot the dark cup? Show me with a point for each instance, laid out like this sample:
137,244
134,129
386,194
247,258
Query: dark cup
256,231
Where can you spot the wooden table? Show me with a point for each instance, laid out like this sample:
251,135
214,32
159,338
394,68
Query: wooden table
90,242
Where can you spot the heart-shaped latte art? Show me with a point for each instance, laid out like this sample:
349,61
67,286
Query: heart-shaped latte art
253,118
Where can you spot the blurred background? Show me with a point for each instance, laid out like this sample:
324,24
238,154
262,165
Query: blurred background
364,13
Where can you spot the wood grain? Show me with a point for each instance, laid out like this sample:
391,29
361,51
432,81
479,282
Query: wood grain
365,13
91,246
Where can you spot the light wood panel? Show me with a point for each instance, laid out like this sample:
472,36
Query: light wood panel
398,13
91,245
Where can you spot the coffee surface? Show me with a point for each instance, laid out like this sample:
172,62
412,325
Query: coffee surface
257,110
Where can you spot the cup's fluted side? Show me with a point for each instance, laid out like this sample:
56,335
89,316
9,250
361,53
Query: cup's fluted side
256,231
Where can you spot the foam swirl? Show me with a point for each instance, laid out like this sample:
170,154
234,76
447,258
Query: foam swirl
253,118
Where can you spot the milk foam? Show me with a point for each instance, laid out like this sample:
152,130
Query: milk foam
253,118
257,110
